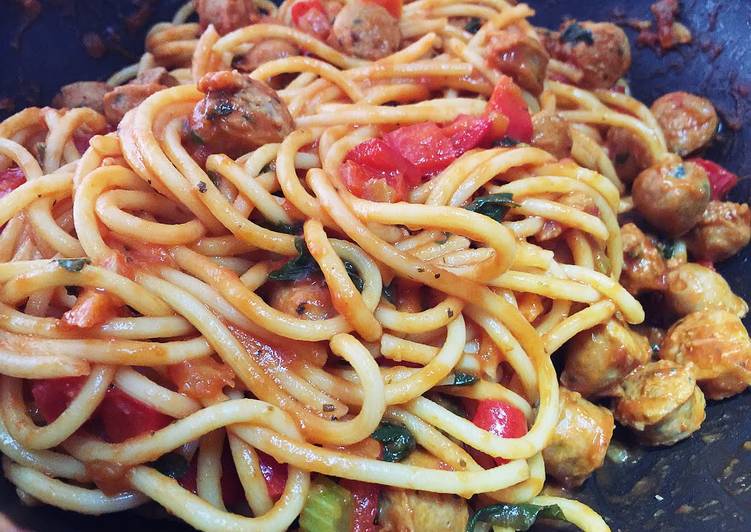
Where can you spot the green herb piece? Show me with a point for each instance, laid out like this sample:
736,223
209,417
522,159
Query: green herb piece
515,516
397,441
171,464
354,275
473,25
449,403
464,379
290,229
73,265
389,293
301,267
328,508
575,33
505,142
493,205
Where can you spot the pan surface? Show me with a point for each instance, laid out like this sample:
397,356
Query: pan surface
703,482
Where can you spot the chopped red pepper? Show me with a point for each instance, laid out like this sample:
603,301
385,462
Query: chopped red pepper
392,6
507,99
501,419
720,179
310,16
365,497
274,473
11,179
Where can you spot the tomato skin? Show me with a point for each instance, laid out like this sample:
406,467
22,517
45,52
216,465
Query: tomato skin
274,473
310,16
392,6
507,99
424,145
124,417
501,419
720,179
365,497
372,161
467,132
11,179
52,396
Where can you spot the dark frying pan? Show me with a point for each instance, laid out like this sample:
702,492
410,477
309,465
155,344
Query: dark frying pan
701,483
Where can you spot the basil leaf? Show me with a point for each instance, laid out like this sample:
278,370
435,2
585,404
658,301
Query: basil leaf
354,275
473,25
73,265
666,247
575,33
290,229
493,205
301,267
514,516
171,464
389,293
397,441
464,379
505,142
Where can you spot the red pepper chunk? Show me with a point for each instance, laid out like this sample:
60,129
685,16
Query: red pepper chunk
424,145
124,417
365,497
501,419
310,16
11,179
721,180
507,99
274,473
52,396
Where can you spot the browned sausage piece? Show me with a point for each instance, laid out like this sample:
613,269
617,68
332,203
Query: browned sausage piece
717,343
600,49
122,99
723,230
661,403
598,359
365,30
627,151
263,52
155,75
82,94
519,56
304,299
644,267
238,114
692,287
580,441
551,134
672,196
226,15
688,121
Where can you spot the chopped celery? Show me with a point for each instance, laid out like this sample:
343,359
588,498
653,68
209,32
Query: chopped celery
328,508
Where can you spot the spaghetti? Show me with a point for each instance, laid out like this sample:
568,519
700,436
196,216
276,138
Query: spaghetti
236,307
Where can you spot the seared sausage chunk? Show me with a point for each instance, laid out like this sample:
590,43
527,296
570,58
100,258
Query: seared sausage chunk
628,153
122,99
661,403
688,121
580,441
723,230
520,56
238,114
551,134
263,52
226,15
365,30
718,344
600,49
692,288
644,266
672,196
597,360
304,299
82,94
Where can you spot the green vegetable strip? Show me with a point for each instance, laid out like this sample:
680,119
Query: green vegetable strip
514,516
328,508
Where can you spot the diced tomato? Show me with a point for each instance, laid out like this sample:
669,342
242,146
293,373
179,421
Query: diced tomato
392,6
232,488
468,132
52,396
201,378
124,417
92,308
380,157
310,16
365,497
721,180
11,179
507,99
424,145
501,419
371,165
274,473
